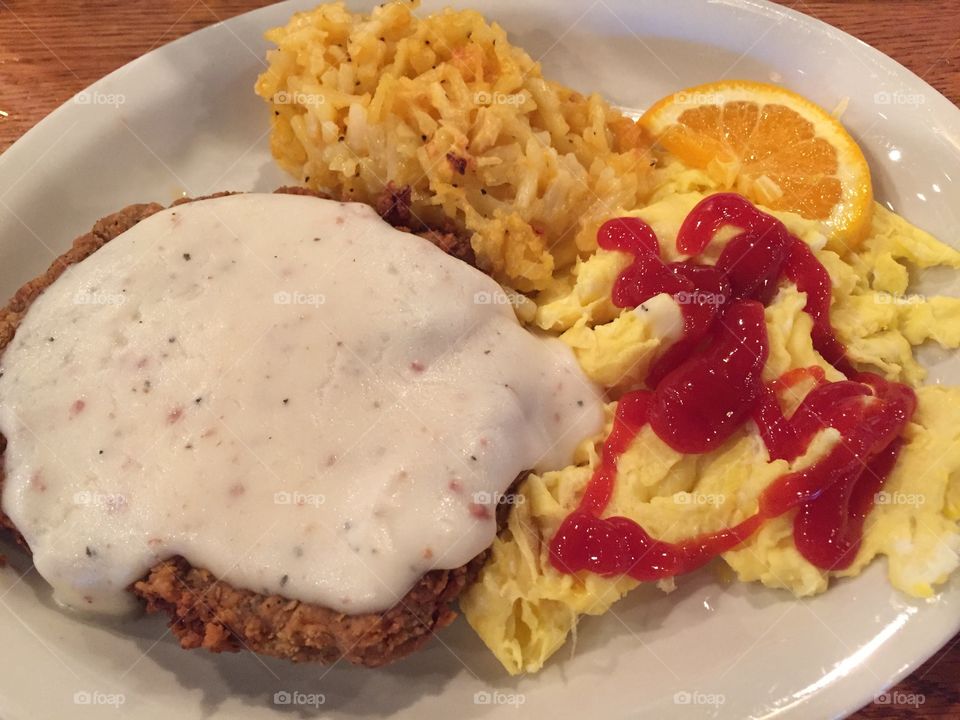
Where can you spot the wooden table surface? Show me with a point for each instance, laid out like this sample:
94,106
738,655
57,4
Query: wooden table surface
51,49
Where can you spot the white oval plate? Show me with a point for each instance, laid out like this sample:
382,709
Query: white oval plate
184,119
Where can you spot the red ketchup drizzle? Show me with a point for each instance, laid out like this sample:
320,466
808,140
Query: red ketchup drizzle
709,384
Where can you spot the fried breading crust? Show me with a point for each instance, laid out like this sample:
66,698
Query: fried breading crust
208,613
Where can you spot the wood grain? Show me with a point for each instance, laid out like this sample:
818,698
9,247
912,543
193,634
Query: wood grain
50,50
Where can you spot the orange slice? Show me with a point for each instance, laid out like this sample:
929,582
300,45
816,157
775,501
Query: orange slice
773,146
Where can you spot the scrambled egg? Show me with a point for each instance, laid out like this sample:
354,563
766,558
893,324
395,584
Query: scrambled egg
524,610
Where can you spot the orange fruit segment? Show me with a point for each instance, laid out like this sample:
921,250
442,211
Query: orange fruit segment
773,146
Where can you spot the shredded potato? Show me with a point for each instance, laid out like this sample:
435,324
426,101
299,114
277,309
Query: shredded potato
447,106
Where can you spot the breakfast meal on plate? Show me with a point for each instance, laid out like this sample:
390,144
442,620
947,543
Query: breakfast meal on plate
503,346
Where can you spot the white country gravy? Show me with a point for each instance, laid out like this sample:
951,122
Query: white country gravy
284,390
